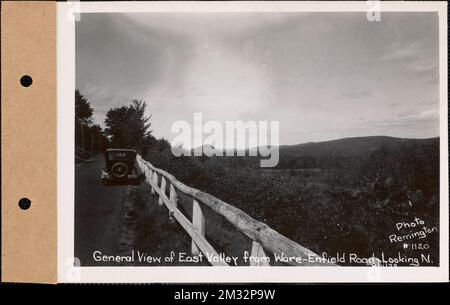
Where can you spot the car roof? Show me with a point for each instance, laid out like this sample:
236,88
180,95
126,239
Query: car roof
119,149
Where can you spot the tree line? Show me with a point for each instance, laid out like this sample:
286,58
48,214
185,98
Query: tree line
126,126
89,136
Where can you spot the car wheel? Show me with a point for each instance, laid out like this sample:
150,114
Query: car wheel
119,170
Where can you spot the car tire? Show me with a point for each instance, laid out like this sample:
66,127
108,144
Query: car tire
119,170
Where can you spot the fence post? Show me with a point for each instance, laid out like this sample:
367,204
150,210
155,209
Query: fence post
150,181
173,199
155,181
163,189
198,221
173,196
258,253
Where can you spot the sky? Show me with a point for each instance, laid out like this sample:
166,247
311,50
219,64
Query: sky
323,76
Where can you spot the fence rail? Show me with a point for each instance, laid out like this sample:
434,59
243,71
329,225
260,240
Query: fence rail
263,237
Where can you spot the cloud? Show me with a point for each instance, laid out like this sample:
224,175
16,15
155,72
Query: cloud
415,60
429,102
410,124
407,113
403,51
355,95
412,116
96,92
176,22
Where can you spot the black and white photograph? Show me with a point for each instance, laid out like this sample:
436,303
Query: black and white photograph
258,138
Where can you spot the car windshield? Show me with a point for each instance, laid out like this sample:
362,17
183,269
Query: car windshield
121,155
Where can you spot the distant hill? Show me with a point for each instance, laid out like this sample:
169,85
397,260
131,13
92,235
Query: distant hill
351,147
345,147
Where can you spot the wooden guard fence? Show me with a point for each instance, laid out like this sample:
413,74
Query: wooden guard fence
263,237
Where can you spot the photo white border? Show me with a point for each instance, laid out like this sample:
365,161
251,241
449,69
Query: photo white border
65,160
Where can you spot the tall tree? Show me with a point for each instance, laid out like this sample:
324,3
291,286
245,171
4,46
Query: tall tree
97,138
83,115
128,126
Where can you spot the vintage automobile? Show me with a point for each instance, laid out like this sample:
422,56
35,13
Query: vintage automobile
120,167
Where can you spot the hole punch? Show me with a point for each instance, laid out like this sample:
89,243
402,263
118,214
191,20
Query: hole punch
26,81
24,203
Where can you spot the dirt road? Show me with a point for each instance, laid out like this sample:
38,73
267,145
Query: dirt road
98,212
